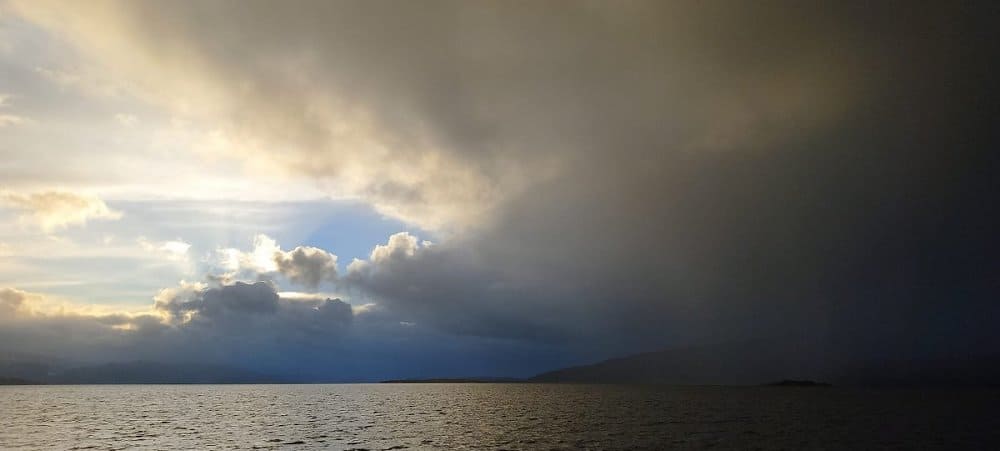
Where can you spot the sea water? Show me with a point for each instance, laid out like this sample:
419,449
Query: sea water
493,416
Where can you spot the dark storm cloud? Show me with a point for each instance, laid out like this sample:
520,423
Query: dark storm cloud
209,303
446,287
243,308
789,171
629,174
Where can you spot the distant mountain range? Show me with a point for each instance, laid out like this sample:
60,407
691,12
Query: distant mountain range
129,373
15,381
747,363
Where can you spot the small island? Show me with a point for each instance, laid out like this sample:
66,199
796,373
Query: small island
797,383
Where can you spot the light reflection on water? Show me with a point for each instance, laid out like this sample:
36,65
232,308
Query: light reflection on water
493,416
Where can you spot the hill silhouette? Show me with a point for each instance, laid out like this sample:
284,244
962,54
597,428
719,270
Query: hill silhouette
763,362
137,372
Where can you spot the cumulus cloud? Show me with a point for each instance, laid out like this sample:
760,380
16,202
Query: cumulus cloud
12,301
304,265
400,246
173,301
52,210
260,259
307,265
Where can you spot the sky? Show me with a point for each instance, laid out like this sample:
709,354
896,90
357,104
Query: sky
368,190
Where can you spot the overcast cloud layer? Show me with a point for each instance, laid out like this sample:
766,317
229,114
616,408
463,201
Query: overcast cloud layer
598,177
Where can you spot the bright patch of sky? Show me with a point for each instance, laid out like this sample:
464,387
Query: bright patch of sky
70,129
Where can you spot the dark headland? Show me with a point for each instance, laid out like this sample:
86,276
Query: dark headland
16,381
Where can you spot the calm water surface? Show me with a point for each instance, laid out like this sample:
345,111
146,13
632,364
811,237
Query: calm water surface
493,416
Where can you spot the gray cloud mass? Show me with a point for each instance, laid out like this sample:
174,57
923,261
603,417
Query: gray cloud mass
308,266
